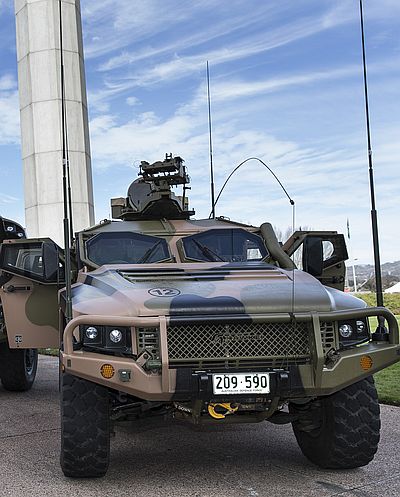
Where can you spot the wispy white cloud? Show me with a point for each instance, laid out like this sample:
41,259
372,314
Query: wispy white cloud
165,52
8,199
224,90
9,110
132,21
218,29
181,66
127,58
113,25
173,53
237,89
7,82
131,101
344,11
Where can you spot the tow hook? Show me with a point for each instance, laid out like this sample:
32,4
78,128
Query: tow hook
214,409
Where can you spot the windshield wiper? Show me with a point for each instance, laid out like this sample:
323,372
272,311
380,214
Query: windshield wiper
149,252
211,256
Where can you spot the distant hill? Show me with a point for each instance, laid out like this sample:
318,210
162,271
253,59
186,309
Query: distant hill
392,268
389,268
365,274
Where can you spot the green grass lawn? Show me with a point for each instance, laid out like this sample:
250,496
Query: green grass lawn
390,300
387,381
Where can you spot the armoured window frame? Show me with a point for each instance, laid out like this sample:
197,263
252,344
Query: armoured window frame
131,234
249,234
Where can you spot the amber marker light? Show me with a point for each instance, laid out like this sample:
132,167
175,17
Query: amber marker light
366,362
107,371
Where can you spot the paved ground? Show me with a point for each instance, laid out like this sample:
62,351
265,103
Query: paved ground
178,460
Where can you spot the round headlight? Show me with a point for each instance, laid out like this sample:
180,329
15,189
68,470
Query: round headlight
361,327
345,330
116,336
91,332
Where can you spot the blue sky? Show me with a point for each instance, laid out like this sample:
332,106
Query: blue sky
286,86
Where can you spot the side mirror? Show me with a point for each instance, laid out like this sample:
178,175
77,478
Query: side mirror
33,259
313,257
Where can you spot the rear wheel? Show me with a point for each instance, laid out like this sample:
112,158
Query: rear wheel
340,431
85,428
17,368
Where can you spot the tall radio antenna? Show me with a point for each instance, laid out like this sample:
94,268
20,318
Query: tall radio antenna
211,147
374,218
67,221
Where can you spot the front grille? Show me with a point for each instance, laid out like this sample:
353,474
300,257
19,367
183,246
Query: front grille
238,345
148,339
328,336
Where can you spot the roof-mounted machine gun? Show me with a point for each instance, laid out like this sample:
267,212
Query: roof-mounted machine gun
150,196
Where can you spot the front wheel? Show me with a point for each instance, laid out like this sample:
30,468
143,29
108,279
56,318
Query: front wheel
85,428
17,368
340,431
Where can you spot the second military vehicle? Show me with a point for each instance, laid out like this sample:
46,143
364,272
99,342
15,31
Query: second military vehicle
205,320
17,366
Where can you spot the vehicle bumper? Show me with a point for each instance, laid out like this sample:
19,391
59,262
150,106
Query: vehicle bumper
321,376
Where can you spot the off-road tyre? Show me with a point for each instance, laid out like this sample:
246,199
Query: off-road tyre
340,431
17,368
85,428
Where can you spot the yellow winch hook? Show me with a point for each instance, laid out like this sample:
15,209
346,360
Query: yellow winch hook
230,409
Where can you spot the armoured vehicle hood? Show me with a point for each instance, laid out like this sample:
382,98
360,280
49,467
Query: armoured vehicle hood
202,289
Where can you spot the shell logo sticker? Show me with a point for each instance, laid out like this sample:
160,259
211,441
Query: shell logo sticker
164,292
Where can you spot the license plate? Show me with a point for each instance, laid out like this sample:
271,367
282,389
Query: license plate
240,383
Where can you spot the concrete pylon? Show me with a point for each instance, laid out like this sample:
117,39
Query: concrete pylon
39,68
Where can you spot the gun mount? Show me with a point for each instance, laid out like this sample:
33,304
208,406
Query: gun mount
150,196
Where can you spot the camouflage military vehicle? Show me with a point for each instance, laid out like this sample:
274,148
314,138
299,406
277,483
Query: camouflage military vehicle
205,320
17,366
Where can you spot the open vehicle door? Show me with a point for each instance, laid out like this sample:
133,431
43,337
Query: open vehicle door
31,273
320,253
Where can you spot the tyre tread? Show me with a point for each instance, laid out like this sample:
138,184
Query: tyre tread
85,428
351,431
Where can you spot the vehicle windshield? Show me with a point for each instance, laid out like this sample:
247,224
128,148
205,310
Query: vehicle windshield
228,245
126,248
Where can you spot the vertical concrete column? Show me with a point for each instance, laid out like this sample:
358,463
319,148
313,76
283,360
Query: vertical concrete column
39,68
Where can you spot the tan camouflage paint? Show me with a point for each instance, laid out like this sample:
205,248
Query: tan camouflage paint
119,294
